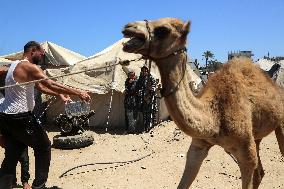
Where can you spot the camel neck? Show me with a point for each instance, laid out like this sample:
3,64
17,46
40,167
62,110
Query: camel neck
190,114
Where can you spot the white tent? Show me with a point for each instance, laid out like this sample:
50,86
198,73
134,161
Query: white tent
101,83
278,76
193,77
55,55
4,62
265,64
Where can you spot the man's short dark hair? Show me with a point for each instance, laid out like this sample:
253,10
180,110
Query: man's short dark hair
31,44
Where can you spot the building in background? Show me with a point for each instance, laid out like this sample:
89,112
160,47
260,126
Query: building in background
238,54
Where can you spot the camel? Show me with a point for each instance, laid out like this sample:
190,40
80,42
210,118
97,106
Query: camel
237,107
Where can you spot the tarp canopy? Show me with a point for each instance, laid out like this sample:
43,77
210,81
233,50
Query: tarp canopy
101,82
55,55
193,77
265,64
5,62
278,75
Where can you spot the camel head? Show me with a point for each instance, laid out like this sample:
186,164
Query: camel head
155,39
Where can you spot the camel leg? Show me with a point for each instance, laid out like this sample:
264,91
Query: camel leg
247,158
279,132
197,152
258,172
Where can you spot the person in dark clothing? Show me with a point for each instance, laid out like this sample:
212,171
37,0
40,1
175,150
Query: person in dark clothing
25,175
20,126
24,161
130,102
147,102
24,158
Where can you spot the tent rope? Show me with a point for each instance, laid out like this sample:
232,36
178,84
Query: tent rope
109,64
72,73
111,96
53,77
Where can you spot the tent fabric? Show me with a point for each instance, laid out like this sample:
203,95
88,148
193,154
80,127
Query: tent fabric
278,76
4,66
101,83
265,64
102,80
5,62
193,77
56,55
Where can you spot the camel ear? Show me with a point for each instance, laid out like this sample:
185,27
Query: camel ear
186,28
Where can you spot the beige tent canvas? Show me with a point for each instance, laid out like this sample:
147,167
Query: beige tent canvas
104,82
55,55
193,77
5,62
278,76
265,64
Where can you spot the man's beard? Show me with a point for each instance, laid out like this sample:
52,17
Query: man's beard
36,60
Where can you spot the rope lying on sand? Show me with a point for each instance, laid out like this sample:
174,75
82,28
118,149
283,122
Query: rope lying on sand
122,163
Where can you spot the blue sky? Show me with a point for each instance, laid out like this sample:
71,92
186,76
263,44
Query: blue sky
89,26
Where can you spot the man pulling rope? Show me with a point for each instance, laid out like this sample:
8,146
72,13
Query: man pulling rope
20,127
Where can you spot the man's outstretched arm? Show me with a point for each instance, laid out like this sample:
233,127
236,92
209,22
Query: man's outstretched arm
54,88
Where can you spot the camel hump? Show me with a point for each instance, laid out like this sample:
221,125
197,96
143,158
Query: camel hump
246,71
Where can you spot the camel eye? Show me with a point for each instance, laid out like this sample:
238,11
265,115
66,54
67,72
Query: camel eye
161,32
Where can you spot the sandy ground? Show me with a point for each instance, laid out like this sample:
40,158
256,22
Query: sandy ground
151,161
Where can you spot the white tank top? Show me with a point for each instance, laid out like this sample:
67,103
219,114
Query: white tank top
18,99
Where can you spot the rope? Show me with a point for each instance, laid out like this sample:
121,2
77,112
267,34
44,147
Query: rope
109,109
113,162
124,62
104,163
111,97
58,76
235,160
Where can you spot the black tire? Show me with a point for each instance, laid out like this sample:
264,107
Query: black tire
74,130
73,142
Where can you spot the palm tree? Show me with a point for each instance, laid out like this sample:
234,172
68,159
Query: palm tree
207,55
214,65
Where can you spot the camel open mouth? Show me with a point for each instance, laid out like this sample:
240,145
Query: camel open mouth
136,41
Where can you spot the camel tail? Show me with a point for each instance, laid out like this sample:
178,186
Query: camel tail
279,132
